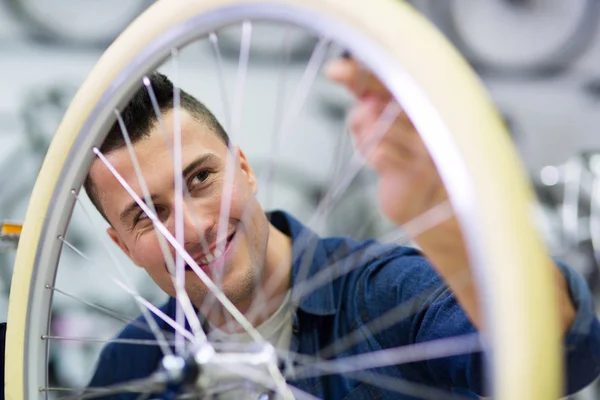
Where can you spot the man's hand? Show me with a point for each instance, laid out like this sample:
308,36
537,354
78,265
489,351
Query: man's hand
410,184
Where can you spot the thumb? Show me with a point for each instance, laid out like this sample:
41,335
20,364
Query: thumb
357,79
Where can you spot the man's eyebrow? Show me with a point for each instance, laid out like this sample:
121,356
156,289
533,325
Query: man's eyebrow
197,163
133,206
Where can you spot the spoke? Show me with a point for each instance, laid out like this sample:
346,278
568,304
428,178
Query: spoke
214,391
201,237
594,218
149,319
413,389
107,311
200,233
188,259
143,304
183,300
334,192
388,116
236,124
251,373
399,385
415,227
242,73
397,235
301,394
384,321
153,384
178,187
438,348
160,314
279,104
214,42
99,340
231,162
158,114
362,82
337,166
284,127
67,389
144,396
390,318
570,207
103,310
282,387
275,137
303,90
345,263
384,122
156,384
421,223
330,272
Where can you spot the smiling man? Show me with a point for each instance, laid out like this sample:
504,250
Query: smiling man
264,258
204,150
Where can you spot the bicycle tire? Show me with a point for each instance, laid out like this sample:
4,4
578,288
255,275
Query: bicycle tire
511,265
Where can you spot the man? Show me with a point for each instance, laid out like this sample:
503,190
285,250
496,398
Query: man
267,258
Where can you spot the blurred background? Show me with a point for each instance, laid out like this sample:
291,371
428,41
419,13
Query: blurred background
539,60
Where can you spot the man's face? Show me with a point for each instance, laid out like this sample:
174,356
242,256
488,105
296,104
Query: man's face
204,160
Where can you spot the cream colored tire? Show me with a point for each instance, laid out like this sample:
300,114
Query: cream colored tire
441,94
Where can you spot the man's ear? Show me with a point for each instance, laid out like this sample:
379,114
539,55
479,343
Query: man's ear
247,170
117,239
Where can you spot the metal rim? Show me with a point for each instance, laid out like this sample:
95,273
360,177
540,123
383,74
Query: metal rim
426,118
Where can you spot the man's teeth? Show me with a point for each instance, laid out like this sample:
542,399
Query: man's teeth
211,257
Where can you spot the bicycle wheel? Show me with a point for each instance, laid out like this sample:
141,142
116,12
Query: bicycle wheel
423,72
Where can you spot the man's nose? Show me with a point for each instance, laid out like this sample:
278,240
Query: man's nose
196,225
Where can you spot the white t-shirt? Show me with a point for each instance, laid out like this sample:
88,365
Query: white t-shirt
277,330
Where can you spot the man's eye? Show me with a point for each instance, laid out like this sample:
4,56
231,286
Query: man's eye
140,217
161,212
200,177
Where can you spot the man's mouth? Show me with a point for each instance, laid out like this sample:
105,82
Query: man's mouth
216,256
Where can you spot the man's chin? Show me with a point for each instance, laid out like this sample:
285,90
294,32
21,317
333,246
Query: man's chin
237,291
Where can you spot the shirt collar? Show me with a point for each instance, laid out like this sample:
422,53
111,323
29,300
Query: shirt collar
309,256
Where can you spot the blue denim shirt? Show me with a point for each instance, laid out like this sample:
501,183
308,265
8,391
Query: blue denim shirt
344,292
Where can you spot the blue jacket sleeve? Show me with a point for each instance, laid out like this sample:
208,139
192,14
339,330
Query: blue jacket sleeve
582,342
407,277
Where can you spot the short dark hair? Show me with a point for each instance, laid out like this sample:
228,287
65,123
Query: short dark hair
139,118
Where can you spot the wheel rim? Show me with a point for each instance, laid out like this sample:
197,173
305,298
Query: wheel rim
418,107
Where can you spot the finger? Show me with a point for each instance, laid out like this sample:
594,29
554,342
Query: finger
366,122
359,81
367,118
402,131
364,116
370,110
